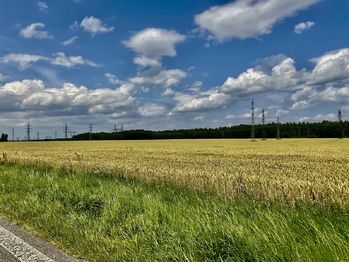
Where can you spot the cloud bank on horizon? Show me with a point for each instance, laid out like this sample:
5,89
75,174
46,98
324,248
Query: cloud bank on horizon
108,63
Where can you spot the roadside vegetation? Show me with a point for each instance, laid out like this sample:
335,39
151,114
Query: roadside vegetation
100,217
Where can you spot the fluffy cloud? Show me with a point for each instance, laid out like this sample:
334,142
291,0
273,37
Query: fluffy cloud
247,18
155,42
300,105
35,30
23,60
70,61
196,87
113,79
152,110
70,41
150,45
94,26
310,96
328,81
319,118
299,28
164,78
211,101
282,75
60,59
281,112
67,100
327,117
332,66
276,73
42,6
146,61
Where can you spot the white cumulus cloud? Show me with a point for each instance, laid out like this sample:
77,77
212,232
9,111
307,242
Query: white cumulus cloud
165,78
35,30
113,79
23,60
26,60
247,18
332,66
71,61
299,28
152,110
155,42
328,81
95,26
211,101
66,100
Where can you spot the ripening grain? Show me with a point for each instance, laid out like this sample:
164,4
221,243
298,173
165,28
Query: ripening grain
286,171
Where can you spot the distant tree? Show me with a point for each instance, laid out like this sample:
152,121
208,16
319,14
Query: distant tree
325,129
4,138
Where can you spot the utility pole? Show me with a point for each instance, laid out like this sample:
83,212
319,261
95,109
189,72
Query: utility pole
263,124
28,129
66,130
278,128
38,135
91,130
253,132
55,134
13,134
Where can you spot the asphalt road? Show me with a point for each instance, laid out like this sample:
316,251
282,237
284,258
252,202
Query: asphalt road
16,245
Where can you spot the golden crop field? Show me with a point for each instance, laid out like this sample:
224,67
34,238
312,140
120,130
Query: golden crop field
286,171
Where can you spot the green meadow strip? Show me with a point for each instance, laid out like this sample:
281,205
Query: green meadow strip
107,218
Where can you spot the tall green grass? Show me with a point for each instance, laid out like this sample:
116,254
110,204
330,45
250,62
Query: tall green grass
105,218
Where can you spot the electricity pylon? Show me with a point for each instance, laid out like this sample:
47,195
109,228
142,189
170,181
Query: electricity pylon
253,132
263,123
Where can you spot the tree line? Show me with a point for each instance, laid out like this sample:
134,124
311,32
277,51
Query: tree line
324,129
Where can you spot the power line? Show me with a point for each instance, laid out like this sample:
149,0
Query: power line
71,133
115,129
38,135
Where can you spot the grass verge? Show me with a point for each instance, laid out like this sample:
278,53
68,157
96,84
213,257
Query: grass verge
104,218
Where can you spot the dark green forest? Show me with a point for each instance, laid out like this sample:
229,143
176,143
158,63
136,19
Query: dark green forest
287,130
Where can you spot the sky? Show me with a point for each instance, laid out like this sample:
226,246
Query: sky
170,64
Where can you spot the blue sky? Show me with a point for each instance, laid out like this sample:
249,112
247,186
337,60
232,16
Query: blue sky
170,64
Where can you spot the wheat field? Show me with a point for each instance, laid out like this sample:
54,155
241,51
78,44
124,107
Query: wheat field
288,172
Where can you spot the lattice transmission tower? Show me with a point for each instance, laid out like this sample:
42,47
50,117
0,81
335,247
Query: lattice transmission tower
28,130
253,131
